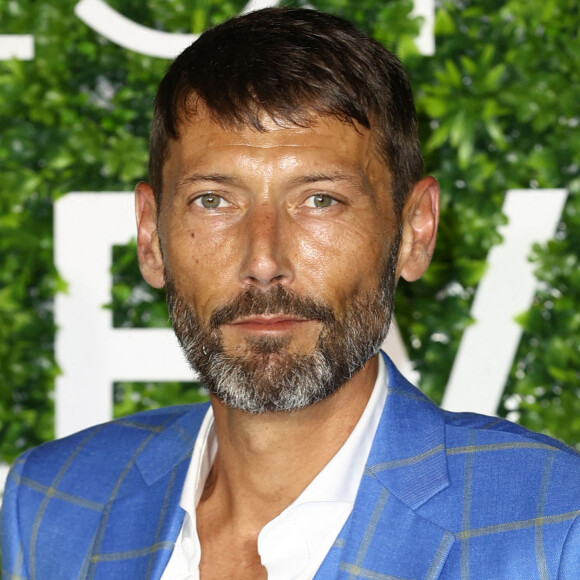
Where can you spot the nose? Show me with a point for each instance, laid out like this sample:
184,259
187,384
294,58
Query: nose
265,259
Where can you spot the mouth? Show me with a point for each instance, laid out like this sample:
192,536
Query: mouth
269,323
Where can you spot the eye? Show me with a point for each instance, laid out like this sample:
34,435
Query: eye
320,201
210,201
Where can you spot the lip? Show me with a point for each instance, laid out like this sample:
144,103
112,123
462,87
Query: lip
274,323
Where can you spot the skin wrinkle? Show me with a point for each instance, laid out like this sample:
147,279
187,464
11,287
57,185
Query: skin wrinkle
269,125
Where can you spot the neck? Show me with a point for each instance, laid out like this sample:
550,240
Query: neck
265,461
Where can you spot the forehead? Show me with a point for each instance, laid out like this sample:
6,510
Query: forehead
325,141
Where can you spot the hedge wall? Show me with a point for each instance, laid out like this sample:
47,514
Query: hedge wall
499,109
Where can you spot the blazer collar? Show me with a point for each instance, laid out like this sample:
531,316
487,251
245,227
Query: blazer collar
385,535
406,467
139,526
407,456
408,453
172,445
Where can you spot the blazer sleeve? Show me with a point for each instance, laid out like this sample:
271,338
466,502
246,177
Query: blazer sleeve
570,562
11,546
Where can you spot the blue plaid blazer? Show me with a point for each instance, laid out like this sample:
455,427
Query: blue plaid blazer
444,495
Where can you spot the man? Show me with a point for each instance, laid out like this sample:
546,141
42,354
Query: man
286,200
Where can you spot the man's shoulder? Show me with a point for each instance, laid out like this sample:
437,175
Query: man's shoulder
473,433
468,431
496,454
133,428
111,446
65,488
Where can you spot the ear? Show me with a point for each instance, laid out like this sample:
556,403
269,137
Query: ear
148,249
419,219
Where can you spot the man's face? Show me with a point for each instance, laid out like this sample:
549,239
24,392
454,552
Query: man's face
280,256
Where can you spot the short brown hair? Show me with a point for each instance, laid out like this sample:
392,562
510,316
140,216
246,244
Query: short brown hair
291,64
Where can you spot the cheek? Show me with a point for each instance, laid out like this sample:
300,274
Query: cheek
201,266
340,262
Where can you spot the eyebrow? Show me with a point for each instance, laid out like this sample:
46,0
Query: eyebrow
220,178
361,183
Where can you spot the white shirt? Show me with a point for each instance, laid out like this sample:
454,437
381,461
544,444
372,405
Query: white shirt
294,544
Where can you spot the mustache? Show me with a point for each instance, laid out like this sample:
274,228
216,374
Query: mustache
278,300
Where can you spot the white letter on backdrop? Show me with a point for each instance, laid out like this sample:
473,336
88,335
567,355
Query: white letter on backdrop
114,26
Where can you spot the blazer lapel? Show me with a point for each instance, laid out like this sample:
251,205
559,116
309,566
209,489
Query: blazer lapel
141,522
384,535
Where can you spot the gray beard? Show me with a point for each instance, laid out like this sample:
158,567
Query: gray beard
266,377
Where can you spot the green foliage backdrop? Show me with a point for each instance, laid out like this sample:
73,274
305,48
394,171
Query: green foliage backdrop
499,109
